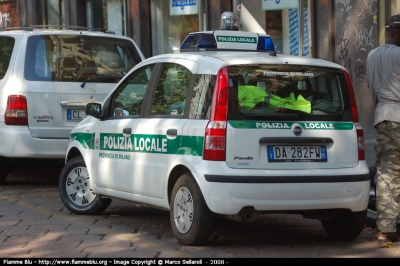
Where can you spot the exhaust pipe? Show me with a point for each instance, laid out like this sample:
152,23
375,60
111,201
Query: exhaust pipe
247,214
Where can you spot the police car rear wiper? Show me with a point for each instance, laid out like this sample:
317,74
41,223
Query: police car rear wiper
96,80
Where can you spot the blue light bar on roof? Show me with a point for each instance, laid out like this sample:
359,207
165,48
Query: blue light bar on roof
227,41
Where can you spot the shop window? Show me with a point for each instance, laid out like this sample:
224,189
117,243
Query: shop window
172,22
54,12
288,23
112,16
273,23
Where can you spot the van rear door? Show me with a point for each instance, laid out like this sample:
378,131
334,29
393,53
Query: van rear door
63,72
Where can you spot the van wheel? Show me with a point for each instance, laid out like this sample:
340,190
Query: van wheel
191,220
345,225
75,189
3,174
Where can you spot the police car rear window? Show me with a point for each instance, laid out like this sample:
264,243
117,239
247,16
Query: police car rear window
76,58
7,46
288,93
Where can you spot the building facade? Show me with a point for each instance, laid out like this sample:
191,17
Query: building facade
341,31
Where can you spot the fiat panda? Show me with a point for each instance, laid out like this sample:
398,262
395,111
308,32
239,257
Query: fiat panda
47,76
224,127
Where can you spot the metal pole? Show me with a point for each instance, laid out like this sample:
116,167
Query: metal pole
201,20
236,4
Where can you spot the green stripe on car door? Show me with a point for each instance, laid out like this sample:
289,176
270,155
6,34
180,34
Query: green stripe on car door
184,145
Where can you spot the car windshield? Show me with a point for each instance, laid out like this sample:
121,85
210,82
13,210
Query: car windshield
78,58
285,93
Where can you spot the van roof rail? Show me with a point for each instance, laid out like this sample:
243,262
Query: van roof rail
77,28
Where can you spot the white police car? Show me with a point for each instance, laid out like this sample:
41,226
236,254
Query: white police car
226,126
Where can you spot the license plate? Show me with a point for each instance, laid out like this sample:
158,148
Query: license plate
75,115
297,154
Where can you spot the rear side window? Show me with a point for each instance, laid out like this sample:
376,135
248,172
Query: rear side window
76,58
6,49
287,93
200,107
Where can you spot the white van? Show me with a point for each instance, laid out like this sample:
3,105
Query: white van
47,76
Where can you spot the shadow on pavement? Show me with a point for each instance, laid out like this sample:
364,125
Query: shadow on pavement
36,171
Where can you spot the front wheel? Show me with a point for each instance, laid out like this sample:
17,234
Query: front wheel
191,220
345,225
75,189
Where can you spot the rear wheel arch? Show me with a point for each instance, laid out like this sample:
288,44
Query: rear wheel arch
191,220
174,175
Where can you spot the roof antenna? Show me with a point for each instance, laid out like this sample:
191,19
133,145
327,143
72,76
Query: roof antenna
273,53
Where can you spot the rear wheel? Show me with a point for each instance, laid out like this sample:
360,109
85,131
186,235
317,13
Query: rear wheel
75,189
345,225
191,220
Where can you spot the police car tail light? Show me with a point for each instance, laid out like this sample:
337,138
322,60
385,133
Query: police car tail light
354,114
16,111
215,137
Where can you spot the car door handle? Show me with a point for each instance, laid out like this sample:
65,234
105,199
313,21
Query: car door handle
172,132
127,131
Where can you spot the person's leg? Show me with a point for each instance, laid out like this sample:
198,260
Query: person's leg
388,169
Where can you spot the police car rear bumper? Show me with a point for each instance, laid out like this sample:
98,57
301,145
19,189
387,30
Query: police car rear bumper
283,190
286,179
17,142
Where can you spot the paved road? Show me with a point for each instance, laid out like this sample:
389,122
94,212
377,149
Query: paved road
35,224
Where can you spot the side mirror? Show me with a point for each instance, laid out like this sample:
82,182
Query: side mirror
93,109
120,112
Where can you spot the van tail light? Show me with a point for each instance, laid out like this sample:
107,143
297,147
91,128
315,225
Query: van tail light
215,137
354,114
16,111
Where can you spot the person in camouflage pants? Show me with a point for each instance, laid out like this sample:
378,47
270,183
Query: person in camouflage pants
383,77
388,169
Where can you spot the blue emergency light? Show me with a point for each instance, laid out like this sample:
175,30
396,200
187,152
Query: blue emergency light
199,41
265,43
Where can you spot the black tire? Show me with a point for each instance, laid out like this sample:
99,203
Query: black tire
345,225
191,220
3,174
75,190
